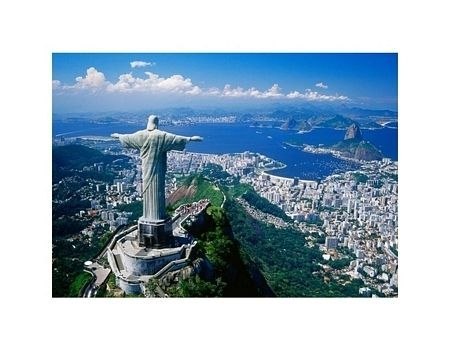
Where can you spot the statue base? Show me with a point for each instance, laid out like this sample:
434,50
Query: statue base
155,233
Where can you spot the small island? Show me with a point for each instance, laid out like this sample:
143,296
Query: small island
304,127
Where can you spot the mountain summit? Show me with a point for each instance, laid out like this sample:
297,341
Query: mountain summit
353,133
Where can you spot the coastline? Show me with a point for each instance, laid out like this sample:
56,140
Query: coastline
238,139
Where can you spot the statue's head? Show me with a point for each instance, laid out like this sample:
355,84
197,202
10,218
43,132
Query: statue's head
152,122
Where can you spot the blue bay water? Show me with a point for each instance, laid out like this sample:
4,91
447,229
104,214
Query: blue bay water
231,138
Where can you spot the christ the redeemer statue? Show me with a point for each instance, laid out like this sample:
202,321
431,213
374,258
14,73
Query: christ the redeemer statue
153,145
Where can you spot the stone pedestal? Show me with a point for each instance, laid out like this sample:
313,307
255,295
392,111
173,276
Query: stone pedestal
155,233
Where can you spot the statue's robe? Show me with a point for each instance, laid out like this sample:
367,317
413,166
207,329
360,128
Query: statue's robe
153,146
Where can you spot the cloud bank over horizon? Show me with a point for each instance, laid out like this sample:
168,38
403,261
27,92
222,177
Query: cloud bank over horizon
95,82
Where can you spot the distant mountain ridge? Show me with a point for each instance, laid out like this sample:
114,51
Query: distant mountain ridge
278,111
358,112
305,119
77,156
337,122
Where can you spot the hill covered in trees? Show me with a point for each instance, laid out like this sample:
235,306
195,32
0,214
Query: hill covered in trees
269,260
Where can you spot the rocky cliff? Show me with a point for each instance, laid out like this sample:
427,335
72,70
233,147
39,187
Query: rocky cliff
353,132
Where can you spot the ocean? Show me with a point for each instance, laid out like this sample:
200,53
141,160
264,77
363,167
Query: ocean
233,138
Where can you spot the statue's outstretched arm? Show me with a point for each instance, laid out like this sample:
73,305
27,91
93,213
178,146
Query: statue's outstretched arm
128,140
196,138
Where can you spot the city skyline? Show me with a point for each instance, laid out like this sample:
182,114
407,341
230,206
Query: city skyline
84,82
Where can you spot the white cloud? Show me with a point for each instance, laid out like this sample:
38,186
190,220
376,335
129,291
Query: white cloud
141,64
93,81
321,85
273,92
126,83
294,94
228,91
234,92
154,83
316,96
213,91
174,83
195,91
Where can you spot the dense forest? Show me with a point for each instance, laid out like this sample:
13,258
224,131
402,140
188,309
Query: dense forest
263,204
232,273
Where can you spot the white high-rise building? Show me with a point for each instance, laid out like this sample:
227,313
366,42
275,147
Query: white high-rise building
346,241
104,215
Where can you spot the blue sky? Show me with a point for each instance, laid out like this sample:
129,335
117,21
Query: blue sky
117,81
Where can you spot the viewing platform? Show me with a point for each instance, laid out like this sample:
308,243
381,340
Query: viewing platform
134,265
